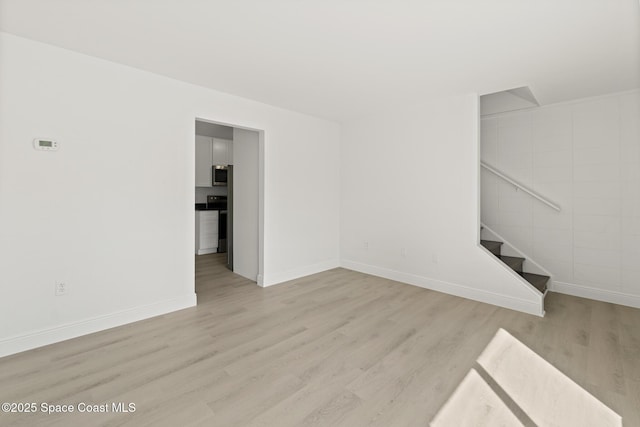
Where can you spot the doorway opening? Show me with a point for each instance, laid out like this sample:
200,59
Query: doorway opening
229,200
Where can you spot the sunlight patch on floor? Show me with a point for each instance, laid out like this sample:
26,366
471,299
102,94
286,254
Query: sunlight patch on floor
484,408
542,392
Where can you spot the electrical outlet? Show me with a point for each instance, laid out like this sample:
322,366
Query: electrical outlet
61,289
435,259
366,245
403,252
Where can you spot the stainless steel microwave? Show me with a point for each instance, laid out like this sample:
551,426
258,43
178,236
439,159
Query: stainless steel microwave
218,175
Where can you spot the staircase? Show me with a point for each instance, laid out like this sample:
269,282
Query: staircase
515,263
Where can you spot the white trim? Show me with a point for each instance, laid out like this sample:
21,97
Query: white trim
207,251
56,334
296,273
512,303
582,291
261,178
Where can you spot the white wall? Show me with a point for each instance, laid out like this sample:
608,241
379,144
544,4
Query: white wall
410,181
585,156
245,202
111,213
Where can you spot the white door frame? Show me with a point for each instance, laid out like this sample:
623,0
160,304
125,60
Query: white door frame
261,142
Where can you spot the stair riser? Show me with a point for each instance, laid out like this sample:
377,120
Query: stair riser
539,282
496,251
493,247
517,267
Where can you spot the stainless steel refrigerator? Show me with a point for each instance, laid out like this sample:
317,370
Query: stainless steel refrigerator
230,217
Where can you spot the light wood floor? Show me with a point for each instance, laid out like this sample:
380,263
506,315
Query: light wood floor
336,348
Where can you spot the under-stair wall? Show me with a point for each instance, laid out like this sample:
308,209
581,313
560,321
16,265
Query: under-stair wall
585,157
509,249
421,226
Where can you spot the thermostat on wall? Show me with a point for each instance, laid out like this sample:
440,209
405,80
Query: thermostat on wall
45,144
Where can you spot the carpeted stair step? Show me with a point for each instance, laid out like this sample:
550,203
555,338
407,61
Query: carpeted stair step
537,280
514,262
492,246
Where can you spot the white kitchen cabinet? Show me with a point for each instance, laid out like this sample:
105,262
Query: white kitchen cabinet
206,232
204,160
210,152
222,151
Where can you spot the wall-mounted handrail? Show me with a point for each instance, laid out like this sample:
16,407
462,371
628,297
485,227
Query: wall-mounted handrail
520,186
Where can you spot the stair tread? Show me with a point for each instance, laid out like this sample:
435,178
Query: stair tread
537,280
492,246
513,262
511,258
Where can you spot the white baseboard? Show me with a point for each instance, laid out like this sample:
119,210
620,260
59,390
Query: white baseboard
596,294
530,307
207,251
270,280
72,330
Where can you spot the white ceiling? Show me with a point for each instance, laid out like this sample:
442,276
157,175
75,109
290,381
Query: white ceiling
344,58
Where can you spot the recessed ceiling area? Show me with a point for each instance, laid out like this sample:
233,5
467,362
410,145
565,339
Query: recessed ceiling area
507,100
344,59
